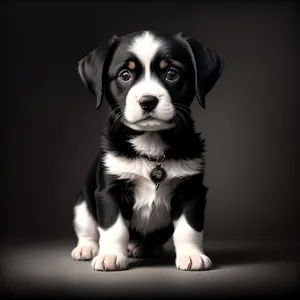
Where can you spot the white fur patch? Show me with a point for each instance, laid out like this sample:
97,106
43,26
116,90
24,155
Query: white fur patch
84,224
113,253
145,47
186,239
114,240
132,169
87,234
151,208
149,144
188,245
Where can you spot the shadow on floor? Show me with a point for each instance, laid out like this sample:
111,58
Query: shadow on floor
220,258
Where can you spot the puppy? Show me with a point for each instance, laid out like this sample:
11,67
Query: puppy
146,183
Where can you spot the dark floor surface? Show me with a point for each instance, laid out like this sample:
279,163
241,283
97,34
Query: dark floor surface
240,269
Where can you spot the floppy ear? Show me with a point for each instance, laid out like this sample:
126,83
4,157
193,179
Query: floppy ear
93,69
208,66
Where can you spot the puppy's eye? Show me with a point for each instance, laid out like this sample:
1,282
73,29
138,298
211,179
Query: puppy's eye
125,75
172,75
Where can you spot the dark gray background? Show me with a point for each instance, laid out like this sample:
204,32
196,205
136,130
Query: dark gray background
51,129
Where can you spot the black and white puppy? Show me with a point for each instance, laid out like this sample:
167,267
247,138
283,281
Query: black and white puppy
146,184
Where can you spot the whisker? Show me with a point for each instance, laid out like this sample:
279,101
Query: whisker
118,117
175,122
180,113
181,117
117,121
183,107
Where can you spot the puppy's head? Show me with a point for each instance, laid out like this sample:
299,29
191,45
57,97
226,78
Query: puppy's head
148,78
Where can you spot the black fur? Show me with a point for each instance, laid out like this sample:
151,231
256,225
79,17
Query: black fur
106,195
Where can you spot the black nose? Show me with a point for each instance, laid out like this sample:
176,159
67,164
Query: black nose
148,102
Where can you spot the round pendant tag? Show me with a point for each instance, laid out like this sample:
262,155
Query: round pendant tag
158,175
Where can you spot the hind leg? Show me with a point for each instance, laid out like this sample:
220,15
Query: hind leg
139,250
149,245
87,234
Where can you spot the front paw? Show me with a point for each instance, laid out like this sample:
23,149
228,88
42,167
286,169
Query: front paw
85,252
193,262
110,262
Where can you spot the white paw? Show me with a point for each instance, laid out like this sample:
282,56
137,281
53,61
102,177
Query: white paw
85,252
193,262
110,262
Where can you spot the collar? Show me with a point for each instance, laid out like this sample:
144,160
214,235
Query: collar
157,159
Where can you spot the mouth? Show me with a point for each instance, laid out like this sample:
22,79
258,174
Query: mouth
147,118
151,118
150,123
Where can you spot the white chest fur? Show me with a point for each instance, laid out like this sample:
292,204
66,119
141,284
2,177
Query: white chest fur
152,207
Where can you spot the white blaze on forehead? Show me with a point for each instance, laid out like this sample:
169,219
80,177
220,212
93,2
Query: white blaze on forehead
145,47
